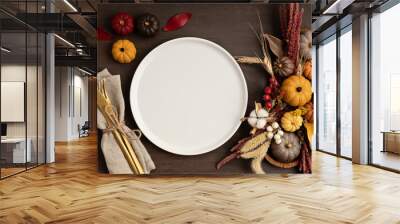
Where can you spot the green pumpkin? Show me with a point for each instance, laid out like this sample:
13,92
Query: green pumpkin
288,150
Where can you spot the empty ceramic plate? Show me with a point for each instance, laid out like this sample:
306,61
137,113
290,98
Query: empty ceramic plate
188,96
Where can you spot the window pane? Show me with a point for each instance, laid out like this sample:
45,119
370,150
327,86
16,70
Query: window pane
327,96
314,88
41,99
31,99
346,94
385,84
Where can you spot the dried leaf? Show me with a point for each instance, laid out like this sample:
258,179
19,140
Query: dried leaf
275,44
310,130
177,21
102,34
256,164
267,64
299,70
248,60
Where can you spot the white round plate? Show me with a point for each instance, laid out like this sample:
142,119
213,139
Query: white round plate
188,96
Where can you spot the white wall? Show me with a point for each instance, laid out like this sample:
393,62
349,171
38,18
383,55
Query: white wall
10,73
14,73
61,114
71,93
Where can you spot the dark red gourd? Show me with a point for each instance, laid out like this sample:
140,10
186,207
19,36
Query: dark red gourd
147,25
122,23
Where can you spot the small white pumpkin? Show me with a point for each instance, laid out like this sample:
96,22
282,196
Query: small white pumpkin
306,44
275,125
258,119
270,135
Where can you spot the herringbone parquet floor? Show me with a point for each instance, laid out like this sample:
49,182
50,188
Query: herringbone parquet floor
71,191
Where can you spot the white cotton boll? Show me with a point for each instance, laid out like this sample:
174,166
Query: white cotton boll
262,113
277,137
253,114
270,135
261,123
275,125
280,132
252,120
270,129
278,141
257,119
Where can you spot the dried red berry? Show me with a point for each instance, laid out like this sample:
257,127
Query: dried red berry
267,97
268,105
273,82
268,90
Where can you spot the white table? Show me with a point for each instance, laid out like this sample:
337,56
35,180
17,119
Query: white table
18,144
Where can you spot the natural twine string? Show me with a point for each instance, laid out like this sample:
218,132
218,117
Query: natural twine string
120,126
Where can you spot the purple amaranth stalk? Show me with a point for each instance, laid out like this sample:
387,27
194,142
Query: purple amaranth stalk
284,21
294,35
290,22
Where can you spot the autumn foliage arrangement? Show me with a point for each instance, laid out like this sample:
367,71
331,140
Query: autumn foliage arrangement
282,127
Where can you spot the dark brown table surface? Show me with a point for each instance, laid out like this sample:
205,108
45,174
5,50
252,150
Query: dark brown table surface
225,24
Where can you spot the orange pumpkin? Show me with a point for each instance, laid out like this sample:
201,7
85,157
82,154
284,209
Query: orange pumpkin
124,51
292,121
307,70
296,90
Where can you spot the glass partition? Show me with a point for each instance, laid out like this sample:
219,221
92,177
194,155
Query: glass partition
22,77
41,97
14,153
32,98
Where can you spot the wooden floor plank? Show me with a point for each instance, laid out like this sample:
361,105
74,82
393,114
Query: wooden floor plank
71,191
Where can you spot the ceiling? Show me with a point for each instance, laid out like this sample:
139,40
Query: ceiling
75,20
19,54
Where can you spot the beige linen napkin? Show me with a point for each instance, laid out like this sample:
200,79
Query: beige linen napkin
116,162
